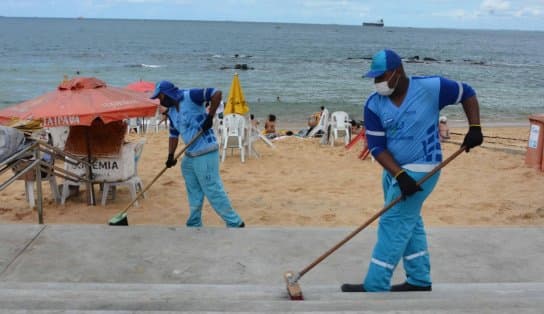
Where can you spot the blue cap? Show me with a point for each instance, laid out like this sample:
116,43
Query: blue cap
165,87
384,60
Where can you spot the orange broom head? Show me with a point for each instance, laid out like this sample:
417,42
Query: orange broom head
293,288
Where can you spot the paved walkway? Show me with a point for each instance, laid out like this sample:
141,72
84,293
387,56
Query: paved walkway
103,269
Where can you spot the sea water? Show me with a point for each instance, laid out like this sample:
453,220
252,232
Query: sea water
293,69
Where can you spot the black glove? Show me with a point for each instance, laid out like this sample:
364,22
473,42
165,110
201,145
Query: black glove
407,185
473,138
207,124
170,162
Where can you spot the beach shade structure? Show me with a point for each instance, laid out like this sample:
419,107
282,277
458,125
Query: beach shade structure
141,86
236,102
82,101
78,102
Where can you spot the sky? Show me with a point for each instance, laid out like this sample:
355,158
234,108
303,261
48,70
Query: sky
471,14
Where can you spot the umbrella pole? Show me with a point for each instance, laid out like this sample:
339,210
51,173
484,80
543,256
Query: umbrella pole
90,187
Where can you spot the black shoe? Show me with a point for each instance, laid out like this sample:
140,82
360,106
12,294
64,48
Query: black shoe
408,287
242,225
348,287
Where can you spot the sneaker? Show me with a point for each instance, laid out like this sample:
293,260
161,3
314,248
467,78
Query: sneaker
404,287
348,287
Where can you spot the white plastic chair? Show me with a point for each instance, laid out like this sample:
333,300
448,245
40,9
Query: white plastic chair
233,134
253,134
340,127
30,183
134,182
134,124
153,123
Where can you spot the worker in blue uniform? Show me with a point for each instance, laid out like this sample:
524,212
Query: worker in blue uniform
401,120
186,111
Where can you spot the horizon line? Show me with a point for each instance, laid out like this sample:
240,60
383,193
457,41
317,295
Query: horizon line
262,22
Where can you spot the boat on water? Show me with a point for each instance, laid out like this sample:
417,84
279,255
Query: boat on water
378,23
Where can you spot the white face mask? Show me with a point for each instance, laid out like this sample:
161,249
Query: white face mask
383,88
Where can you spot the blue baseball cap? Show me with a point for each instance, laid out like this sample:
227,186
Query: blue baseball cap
384,60
165,87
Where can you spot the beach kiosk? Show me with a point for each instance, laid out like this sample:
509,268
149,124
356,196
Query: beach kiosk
535,147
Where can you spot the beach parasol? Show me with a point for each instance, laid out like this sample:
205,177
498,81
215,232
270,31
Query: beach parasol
141,86
82,101
78,102
236,102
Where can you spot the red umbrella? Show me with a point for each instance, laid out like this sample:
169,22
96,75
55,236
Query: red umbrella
141,86
78,102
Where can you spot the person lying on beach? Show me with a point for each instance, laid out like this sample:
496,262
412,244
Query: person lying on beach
313,120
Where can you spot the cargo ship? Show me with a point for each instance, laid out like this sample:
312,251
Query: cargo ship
375,24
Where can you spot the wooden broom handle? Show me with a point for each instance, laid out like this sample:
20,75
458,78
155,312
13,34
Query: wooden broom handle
161,172
376,215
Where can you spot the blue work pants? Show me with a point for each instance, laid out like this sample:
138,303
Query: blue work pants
401,234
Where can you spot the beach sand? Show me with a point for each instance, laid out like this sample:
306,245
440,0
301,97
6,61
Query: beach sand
303,183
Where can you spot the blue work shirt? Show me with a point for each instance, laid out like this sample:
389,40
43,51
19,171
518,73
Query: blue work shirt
188,120
410,131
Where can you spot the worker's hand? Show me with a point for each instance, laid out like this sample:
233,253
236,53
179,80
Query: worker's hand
207,124
407,185
473,138
170,162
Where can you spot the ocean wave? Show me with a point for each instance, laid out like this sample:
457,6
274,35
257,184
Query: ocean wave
143,65
151,65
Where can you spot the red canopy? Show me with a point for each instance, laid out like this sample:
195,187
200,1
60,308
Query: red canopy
141,86
79,101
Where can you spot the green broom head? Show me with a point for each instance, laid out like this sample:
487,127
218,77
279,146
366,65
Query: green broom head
119,220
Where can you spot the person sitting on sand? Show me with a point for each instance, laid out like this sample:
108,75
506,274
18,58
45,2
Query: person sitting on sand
270,127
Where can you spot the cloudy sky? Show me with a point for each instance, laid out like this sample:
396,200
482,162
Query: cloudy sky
480,14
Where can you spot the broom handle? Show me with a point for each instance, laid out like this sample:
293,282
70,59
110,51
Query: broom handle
161,172
378,214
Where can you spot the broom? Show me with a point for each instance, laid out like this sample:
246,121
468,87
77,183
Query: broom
121,219
292,278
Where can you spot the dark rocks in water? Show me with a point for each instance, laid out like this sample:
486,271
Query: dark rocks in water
242,66
238,66
429,59
414,59
474,62
359,58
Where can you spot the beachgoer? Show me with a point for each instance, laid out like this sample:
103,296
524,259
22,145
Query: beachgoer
200,164
270,127
443,128
401,121
313,120
356,127
254,122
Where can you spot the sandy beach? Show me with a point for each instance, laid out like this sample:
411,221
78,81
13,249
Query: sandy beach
303,183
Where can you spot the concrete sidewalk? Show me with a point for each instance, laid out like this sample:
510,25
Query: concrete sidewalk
114,269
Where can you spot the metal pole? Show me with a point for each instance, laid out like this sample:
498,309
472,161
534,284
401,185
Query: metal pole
39,186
